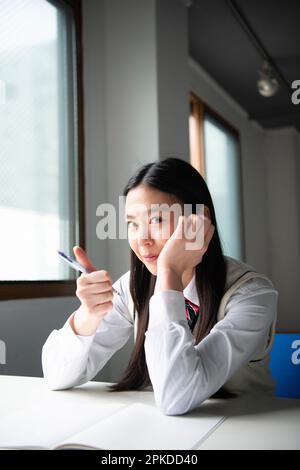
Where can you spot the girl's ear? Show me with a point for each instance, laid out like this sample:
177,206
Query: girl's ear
207,212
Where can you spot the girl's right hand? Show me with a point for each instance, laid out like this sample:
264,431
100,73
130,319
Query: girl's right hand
94,290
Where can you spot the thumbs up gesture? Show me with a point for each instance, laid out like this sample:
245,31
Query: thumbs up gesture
94,290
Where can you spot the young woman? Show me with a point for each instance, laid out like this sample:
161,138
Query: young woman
203,322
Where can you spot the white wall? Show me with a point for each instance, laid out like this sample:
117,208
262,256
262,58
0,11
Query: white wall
282,158
172,78
25,326
95,125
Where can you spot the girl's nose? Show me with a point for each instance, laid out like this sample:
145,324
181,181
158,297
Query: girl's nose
144,236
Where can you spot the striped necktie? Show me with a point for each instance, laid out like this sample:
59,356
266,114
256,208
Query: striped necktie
191,312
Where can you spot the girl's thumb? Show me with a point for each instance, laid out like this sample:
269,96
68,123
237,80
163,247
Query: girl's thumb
83,259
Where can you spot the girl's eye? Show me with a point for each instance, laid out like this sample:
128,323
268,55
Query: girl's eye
130,222
158,219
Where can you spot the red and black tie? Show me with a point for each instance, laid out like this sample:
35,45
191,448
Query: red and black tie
191,312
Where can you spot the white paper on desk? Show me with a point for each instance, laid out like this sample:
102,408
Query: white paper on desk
139,426
48,423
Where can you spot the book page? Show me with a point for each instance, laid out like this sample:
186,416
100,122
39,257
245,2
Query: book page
144,427
49,422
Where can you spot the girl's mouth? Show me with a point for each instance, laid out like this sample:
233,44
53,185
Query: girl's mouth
151,259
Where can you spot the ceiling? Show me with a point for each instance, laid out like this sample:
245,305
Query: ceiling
222,47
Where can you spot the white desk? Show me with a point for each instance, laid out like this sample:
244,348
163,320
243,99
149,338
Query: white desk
268,423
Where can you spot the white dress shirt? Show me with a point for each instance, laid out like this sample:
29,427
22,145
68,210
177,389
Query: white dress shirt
182,373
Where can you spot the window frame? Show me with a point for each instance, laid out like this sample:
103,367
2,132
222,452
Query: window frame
199,109
13,290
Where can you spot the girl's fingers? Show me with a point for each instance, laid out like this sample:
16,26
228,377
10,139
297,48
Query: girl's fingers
196,227
95,289
94,300
96,277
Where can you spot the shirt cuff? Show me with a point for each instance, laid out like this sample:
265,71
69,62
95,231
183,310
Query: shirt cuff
166,307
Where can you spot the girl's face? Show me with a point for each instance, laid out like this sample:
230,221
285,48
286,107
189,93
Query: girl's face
148,231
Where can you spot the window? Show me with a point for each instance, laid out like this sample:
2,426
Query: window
41,145
215,153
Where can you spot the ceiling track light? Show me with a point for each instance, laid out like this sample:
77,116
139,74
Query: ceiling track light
270,74
267,84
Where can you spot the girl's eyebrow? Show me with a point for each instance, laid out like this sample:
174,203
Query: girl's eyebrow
131,217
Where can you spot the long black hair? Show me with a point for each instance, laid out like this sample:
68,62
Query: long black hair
180,179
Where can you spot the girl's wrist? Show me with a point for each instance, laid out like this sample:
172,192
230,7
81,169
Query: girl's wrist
168,279
83,324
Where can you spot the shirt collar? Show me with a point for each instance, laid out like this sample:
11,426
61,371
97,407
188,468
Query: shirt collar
190,292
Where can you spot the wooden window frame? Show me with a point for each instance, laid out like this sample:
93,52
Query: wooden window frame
197,157
198,110
12,290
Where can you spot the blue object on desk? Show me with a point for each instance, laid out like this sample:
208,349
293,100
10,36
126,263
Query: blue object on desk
285,365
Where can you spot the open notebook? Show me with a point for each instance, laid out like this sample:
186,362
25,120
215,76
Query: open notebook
112,427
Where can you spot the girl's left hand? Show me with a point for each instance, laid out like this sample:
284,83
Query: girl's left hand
181,252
